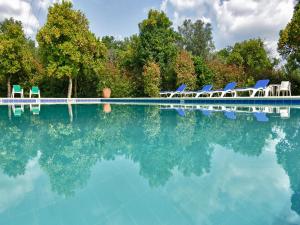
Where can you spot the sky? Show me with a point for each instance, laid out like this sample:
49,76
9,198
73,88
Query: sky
232,20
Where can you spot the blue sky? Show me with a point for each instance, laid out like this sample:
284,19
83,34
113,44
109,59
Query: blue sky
118,18
232,20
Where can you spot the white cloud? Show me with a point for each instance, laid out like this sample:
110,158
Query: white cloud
237,20
236,187
19,10
13,190
30,12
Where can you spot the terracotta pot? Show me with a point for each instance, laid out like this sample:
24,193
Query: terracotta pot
106,108
106,92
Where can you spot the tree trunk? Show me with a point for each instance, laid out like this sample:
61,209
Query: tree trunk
75,87
70,88
8,87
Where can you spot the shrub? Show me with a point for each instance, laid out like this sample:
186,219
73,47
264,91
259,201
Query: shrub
119,83
185,71
151,79
223,74
203,72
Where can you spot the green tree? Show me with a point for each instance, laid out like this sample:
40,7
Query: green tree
16,58
151,78
289,48
69,49
115,48
158,43
252,56
185,71
289,42
196,37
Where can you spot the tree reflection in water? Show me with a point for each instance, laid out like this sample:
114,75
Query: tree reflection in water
159,141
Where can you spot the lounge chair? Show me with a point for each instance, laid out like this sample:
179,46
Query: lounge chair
170,94
260,86
205,90
229,88
35,91
17,90
284,88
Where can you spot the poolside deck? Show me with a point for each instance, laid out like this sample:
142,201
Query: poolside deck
271,101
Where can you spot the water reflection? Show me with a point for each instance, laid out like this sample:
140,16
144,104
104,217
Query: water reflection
17,110
160,139
35,109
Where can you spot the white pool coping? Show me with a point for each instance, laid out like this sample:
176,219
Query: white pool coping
272,101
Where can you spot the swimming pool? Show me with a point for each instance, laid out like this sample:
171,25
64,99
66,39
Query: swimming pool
205,165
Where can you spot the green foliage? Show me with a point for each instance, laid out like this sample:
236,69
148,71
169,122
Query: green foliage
115,48
17,63
112,77
224,73
158,43
74,60
252,56
289,42
289,48
151,78
68,48
185,70
203,72
196,37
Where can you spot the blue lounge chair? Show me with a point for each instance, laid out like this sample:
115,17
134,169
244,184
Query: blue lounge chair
261,117
205,90
229,88
260,86
170,94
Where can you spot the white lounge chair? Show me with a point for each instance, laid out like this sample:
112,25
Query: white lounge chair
260,87
204,91
170,94
229,88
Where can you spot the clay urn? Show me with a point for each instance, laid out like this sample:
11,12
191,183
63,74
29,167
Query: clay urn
106,92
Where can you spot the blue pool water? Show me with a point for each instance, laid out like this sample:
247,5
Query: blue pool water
78,165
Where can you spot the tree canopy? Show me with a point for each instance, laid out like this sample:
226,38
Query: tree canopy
289,48
158,43
68,47
196,37
289,42
17,61
70,60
